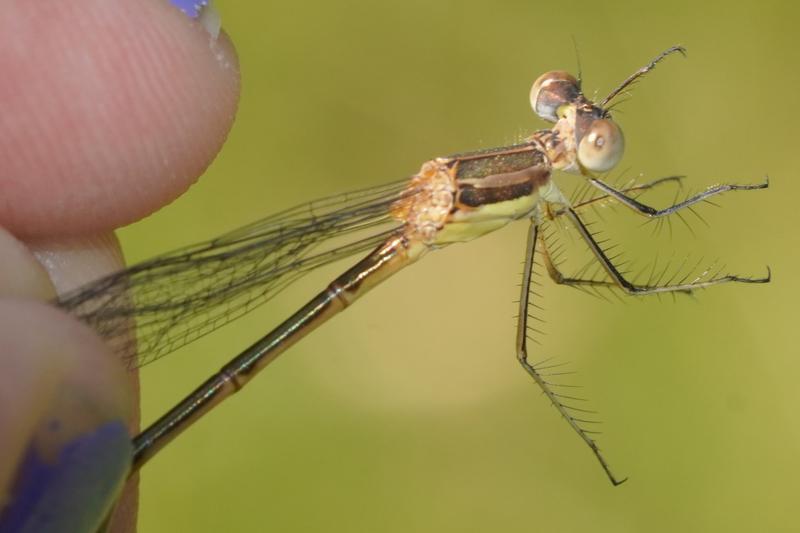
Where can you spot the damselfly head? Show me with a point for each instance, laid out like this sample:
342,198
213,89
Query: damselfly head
586,129
586,137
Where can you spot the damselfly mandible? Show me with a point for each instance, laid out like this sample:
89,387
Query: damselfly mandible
175,298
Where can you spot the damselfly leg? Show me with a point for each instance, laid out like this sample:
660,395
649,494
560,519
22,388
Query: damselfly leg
632,288
537,235
646,210
546,237
569,412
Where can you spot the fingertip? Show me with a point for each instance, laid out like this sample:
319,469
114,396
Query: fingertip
70,263
111,110
64,406
56,374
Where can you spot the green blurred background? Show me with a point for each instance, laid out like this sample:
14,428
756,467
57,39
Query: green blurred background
409,412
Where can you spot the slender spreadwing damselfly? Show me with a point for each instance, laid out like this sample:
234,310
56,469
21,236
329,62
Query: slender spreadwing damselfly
178,297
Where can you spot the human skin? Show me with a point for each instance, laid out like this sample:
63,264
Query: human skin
109,111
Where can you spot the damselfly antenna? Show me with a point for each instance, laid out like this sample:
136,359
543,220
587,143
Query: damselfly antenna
578,62
633,78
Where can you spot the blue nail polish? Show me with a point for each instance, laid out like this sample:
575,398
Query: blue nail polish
190,7
72,492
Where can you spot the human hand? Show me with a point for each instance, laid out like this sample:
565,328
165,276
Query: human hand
110,110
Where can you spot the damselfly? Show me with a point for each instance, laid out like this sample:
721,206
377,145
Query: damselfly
175,298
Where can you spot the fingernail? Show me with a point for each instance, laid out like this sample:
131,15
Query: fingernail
203,11
72,491
191,7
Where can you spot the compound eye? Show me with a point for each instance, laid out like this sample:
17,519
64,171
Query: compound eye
602,146
550,91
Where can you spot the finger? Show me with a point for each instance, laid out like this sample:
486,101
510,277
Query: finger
110,110
31,383
63,403
70,263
